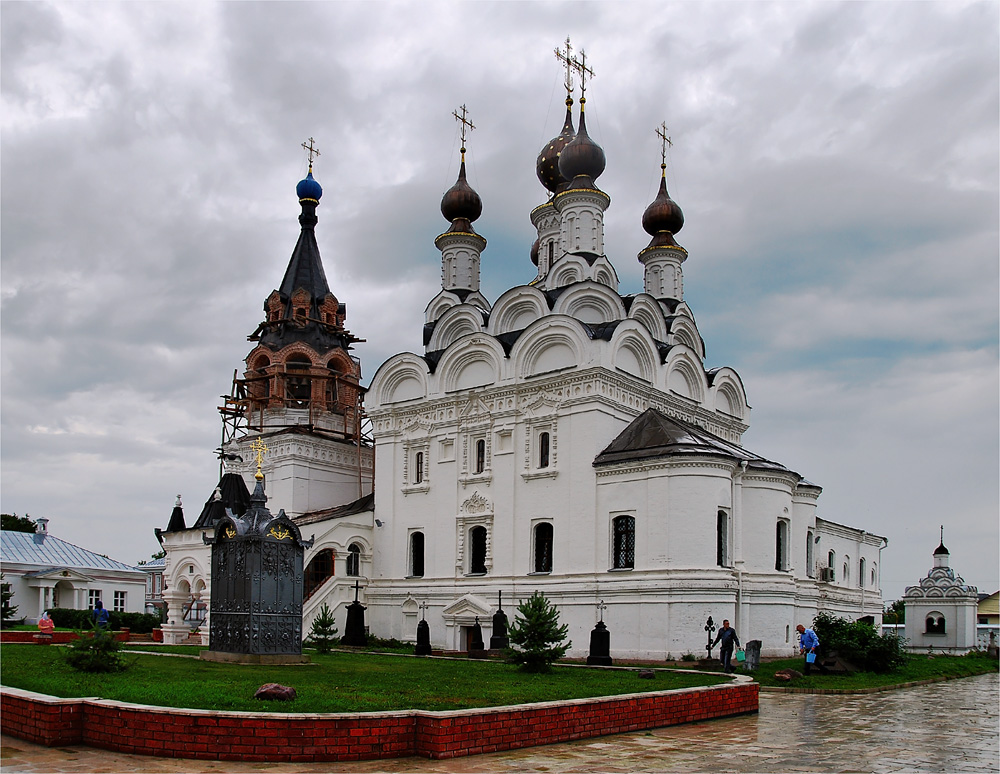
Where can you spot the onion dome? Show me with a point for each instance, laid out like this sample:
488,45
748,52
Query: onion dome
547,164
308,189
663,214
941,551
461,201
582,156
534,252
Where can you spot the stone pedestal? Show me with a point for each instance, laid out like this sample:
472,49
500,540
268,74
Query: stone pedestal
600,646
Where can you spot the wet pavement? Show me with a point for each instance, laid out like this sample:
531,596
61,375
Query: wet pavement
944,727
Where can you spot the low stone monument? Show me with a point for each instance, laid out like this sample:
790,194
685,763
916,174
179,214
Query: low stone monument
423,646
600,642
354,633
752,651
498,637
477,648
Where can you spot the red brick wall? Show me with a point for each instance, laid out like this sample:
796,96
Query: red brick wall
58,638
278,737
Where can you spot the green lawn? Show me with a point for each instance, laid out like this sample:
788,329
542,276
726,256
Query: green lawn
337,682
917,667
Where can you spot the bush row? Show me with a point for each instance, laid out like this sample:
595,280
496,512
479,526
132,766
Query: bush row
140,623
859,643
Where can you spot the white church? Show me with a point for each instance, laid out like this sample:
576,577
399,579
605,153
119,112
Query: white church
567,437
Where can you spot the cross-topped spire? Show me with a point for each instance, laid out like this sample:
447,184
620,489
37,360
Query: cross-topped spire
566,57
312,150
661,132
467,125
580,65
260,449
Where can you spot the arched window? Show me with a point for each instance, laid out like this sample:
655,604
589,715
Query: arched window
781,545
623,542
810,557
543,450
320,568
722,539
417,555
861,572
298,384
480,456
847,570
331,385
543,547
874,582
418,464
354,560
831,560
477,551
935,624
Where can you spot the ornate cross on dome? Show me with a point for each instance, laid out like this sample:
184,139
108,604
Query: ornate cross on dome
580,65
312,150
467,125
566,57
661,132
260,449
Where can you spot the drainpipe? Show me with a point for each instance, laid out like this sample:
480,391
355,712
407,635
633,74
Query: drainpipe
861,579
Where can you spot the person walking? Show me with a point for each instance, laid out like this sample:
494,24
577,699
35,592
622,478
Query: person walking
729,639
808,643
101,615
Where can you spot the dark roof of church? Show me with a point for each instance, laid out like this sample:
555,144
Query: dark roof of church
235,497
362,504
176,523
653,434
305,268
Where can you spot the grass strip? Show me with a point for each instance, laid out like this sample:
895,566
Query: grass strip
336,682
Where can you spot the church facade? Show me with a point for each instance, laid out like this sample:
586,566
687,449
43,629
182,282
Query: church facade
567,438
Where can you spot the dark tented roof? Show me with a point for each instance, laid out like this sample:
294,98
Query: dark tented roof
305,268
234,495
653,434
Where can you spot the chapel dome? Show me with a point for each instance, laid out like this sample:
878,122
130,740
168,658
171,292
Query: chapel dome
663,213
547,164
582,156
308,188
461,200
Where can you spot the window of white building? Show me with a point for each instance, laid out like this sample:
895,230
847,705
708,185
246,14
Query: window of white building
120,601
722,539
781,545
416,554
623,543
93,597
543,547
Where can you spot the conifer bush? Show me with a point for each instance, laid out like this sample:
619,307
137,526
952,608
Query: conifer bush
538,635
95,651
323,635
859,643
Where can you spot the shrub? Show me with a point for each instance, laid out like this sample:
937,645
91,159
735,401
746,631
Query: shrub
538,635
689,657
7,610
322,636
95,651
140,623
859,643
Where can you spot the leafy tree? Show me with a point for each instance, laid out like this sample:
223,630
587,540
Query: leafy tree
895,613
859,643
95,651
14,523
7,610
322,636
539,637
154,557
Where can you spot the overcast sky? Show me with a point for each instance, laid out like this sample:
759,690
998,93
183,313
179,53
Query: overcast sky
837,164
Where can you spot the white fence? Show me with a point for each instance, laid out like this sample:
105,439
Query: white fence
983,632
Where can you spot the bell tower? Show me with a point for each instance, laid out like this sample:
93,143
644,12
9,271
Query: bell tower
300,390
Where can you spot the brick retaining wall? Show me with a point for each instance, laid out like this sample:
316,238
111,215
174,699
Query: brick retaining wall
58,638
279,737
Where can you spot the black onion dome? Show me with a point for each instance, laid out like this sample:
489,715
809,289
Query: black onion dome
547,164
461,200
582,156
534,252
663,213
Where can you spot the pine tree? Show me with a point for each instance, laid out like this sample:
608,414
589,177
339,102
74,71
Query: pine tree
324,630
7,610
538,635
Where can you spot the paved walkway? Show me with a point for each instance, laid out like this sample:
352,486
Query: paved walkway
944,727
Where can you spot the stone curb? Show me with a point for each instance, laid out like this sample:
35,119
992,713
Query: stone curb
861,691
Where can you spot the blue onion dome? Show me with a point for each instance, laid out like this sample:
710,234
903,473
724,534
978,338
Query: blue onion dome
547,164
461,202
308,189
663,214
582,156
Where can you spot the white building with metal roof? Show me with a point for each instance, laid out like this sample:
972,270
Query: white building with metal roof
45,572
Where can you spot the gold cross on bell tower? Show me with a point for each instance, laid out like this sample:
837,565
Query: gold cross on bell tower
566,57
661,132
312,150
259,449
467,125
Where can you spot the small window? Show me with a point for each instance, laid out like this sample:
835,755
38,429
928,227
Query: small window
480,456
417,555
320,568
935,624
543,450
831,560
810,558
874,582
418,464
847,571
354,560
781,546
120,601
477,552
861,573
543,547
722,539
93,597
623,531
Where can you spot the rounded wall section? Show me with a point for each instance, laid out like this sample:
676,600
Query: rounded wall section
400,378
590,302
474,361
684,375
634,351
727,394
647,312
516,309
556,344
456,322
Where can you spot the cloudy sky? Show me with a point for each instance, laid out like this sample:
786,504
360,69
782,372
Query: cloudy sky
837,164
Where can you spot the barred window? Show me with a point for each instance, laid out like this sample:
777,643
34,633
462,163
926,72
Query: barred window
354,560
543,450
623,529
543,547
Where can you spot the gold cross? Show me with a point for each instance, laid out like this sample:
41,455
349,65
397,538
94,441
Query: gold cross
580,65
566,57
467,125
260,449
661,132
312,149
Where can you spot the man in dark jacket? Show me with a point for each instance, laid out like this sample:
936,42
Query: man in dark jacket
727,635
